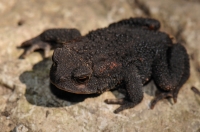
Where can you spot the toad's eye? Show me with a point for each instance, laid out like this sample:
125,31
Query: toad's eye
81,75
82,79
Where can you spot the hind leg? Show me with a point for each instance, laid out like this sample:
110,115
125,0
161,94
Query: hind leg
168,94
49,39
170,72
149,23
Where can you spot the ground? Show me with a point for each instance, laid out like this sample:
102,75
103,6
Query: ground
25,98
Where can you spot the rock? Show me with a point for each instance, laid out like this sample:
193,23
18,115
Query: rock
26,96
20,128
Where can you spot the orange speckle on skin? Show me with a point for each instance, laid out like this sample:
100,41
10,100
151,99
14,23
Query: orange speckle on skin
102,69
108,66
113,65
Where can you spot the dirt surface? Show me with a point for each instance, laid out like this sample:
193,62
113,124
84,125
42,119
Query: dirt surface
29,103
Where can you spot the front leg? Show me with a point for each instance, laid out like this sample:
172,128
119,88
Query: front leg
49,39
133,86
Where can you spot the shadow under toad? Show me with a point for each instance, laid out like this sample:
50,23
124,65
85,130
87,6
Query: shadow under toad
40,92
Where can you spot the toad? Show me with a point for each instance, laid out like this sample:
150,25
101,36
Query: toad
126,54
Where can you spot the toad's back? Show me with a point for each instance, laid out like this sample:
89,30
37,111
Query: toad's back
125,45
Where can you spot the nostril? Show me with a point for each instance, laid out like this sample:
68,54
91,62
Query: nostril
62,79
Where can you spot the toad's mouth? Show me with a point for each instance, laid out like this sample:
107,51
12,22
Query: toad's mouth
80,89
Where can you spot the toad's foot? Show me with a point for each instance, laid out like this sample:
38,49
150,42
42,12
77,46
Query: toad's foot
34,44
125,104
164,95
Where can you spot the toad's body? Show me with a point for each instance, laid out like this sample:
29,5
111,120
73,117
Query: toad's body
130,52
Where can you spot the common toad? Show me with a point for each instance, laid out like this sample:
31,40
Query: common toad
129,52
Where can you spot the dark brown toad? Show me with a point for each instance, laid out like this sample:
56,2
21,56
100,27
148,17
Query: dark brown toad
130,52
